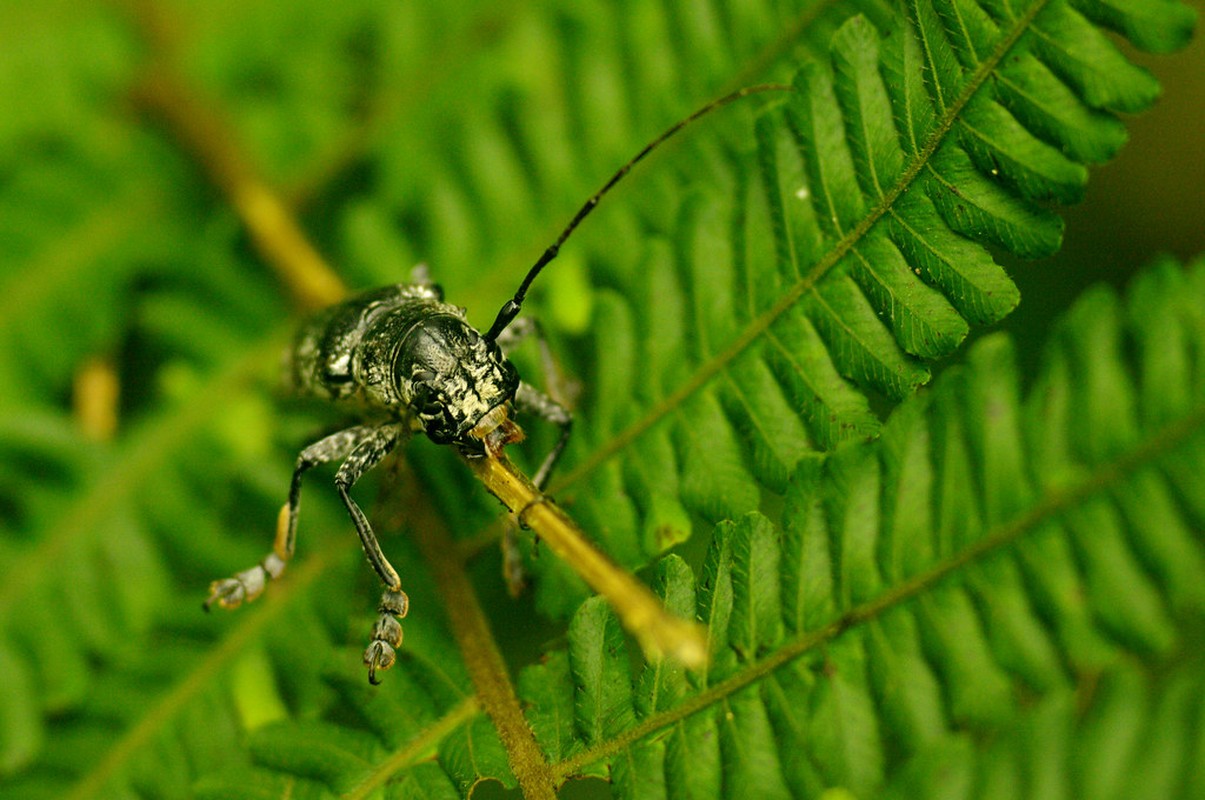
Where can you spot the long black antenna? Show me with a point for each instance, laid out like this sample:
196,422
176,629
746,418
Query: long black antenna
510,309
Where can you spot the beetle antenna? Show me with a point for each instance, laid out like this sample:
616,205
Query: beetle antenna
510,309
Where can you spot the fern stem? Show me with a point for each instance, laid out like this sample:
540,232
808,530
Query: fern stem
203,131
276,234
487,669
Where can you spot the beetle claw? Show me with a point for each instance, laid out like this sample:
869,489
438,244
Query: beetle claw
378,656
233,592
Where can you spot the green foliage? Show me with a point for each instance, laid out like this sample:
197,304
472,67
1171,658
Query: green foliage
997,590
987,550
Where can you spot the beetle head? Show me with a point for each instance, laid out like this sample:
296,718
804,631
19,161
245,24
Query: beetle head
453,379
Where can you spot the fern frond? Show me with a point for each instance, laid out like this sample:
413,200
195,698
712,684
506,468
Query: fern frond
854,246
988,548
977,599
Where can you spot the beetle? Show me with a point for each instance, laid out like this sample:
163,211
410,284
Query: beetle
409,361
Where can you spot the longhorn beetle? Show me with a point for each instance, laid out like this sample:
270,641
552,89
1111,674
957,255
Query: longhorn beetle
413,361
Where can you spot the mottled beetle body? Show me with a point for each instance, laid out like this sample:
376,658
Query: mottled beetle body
408,361
404,352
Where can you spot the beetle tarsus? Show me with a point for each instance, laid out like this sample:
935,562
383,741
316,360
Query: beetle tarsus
245,586
381,652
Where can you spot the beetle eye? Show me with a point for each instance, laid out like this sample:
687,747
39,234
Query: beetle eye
423,397
423,376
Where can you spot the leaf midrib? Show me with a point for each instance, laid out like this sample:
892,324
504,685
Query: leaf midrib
1047,507
762,323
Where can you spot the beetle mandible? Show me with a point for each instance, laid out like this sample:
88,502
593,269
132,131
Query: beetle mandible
413,361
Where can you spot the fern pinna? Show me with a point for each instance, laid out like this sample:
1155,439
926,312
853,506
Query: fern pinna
987,549
876,194
975,602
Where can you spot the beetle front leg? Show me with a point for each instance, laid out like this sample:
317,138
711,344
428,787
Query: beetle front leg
366,455
519,330
245,586
555,384
532,401
387,631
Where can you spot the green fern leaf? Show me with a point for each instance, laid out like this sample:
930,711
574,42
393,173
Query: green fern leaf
915,149
1061,558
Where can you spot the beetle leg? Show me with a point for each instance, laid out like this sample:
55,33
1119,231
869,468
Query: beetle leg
387,632
513,572
517,334
519,330
245,586
563,391
420,275
532,401
529,400
366,454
